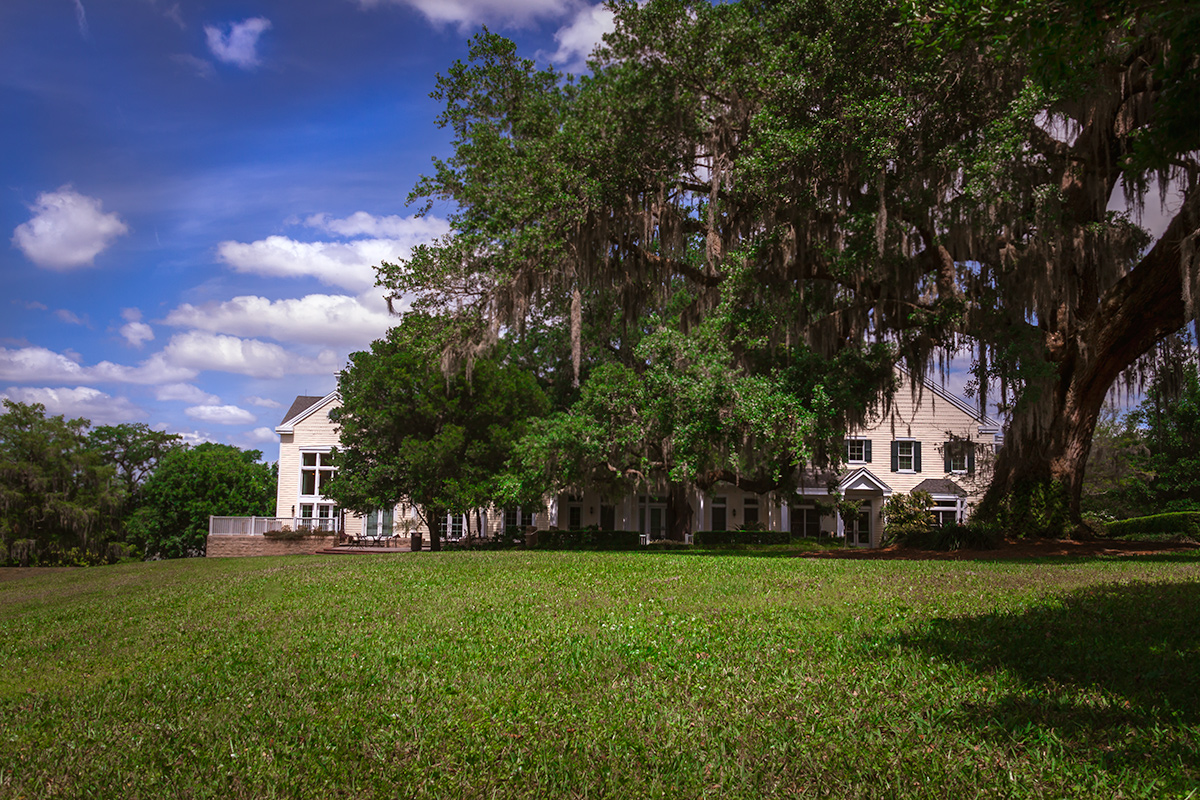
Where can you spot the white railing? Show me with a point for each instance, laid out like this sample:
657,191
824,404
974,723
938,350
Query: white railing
257,526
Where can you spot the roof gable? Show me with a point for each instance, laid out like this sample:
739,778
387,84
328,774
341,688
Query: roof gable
307,406
862,479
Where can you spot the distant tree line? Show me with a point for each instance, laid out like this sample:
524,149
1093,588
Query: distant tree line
71,493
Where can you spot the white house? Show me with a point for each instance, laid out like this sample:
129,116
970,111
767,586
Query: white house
927,440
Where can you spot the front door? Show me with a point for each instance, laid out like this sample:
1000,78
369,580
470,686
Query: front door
858,528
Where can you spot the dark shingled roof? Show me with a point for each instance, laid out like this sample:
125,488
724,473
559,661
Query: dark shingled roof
300,405
940,486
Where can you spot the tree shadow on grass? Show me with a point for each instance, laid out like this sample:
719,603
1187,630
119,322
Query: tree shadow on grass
1110,672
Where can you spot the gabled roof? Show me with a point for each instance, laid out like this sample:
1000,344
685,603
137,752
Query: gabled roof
863,479
304,407
962,405
940,486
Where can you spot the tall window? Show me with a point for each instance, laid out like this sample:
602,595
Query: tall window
960,456
518,517
574,512
750,511
316,469
720,522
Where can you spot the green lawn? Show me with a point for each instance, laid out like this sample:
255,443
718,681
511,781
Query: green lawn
602,675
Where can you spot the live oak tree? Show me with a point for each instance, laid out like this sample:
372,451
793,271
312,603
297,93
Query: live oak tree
134,449
54,490
895,180
440,440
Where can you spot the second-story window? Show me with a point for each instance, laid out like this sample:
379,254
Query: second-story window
315,471
858,451
906,456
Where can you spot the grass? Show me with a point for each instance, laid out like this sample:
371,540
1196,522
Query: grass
602,675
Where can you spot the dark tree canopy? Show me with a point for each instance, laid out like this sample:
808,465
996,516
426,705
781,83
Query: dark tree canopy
54,489
192,483
825,178
411,433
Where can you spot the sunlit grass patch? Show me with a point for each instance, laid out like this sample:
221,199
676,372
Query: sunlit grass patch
601,675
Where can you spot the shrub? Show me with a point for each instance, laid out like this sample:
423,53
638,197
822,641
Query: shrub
909,519
587,539
1184,524
717,538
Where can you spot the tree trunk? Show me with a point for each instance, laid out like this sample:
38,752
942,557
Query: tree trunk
435,530
1039,474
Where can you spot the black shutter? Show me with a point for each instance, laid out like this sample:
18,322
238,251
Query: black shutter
971,459
916,456
867,450
949,456
895,456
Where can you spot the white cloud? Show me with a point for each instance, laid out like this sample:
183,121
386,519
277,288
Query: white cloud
314,319
81,19
69,317
262,436
349,265
221,415
411,230
37,364
187,393
67,230
264,402
577,40
82,401
136,333
467,13
197,350
237,44
194,438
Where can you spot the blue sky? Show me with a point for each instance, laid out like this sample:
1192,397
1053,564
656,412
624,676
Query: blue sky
195,193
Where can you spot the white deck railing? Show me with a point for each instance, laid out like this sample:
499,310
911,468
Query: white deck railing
257,526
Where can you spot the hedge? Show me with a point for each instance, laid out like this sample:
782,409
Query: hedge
1179,523
587,539
710,538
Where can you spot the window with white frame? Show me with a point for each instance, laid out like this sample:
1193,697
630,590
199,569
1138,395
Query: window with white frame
720,520
906,456
960,456
518,517
316,470
806,522
750,511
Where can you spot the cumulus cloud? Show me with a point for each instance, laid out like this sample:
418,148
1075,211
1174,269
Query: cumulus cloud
263,402
221,415
237,42
67,230
410,230
313,319
134,331
198,350
187,393
82,401
349,265
37,364
577,40
467,13
262,436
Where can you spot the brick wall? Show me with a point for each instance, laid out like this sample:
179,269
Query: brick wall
228,546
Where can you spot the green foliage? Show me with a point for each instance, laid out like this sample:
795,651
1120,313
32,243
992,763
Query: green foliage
192,483
908,518
587,539
1185,524
1032,508
135,450
55,491
740,537
1170,422
410,433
